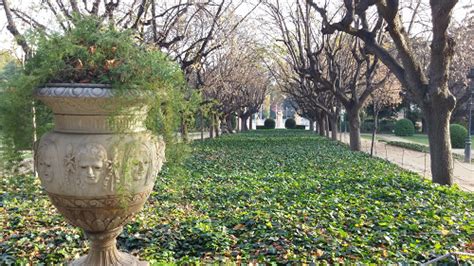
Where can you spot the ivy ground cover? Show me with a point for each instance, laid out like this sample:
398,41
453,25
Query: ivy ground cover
265,196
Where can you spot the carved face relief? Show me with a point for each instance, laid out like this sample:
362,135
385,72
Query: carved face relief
141,163
45,160
91,160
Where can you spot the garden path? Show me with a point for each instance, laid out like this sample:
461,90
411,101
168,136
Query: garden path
387,137
418,162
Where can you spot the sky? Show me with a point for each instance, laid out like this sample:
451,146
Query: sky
6,40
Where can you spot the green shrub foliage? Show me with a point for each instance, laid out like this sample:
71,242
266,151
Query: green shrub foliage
269,123
386,125
93,52
290,123
458,135
410,146
367,126
272,197
404,127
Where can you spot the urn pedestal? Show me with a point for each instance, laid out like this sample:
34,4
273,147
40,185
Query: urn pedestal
98,165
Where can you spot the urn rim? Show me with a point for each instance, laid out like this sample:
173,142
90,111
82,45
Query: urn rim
87,90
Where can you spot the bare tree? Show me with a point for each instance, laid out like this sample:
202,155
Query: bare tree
308,100
235,81
387,93
188,31
430,89
463,59
337,64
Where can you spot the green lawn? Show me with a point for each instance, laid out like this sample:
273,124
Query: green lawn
417,138
423,139
368,136
266,196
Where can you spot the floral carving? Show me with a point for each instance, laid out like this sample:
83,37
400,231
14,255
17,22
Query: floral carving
99,213
111,180
70,165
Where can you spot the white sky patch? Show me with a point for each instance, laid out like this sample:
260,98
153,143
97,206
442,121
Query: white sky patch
259,17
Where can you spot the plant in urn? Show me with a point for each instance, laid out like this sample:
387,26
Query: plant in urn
99,162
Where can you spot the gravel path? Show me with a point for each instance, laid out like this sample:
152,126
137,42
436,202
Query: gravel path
419,162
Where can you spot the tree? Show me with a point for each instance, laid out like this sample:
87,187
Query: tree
235,79
386,94
309,101
430,89
463,59
337,64
188,31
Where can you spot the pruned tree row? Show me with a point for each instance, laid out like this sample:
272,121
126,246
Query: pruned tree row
196,34
366,53
330,59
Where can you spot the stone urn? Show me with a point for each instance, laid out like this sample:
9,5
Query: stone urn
98,165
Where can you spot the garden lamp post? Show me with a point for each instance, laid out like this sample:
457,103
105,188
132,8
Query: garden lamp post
467,150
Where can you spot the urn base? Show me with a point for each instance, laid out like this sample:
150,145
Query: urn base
103,251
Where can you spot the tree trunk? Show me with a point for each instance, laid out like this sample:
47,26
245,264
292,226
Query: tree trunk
211,127
333,120
244,120
202,125
228,122
311,125
322,126
374,131
216,125
250,121
326,126
354,129
184,130
437,123
423,126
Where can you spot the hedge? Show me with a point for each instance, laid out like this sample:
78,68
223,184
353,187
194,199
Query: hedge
290,123
458,135
404,127
269,123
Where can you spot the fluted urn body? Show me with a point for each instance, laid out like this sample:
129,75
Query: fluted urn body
98,165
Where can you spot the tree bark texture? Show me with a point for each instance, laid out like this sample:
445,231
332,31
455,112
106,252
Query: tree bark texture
211,127
374,131
322,126
333,122
184,130
326,124
216,125
244,120
202,125
440,144
354,130
228,121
